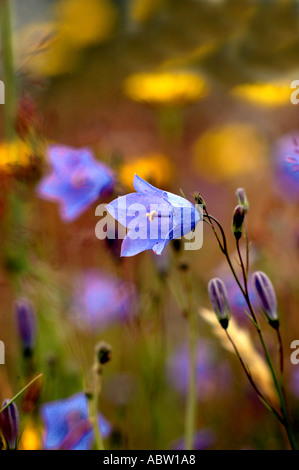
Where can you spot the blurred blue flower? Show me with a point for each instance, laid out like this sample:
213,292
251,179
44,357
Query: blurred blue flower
67,425
286,159
213,375
100,300
162,216
202,440
76,181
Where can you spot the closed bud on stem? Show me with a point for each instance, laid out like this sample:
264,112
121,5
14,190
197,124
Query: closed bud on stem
103,352
266,295
26,324
238,219
242,199
219,300
9,423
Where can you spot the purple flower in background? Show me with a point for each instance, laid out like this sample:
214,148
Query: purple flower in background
162,216
26,323
213,374
76,181
101,300
286,160
67,425
202,440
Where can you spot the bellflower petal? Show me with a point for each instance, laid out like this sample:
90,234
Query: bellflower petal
158,215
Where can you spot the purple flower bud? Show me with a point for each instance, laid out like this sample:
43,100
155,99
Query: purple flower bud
238,219
266,295
242,199
9,423
219,300
26,323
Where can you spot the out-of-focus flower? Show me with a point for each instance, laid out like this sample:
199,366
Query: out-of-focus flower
213,377
286,161
202,440
242,339
31,438
100,301
219,300
264,94
14,153
9,423
155,168
265,293
26,323
228,151
67,426
165,87
162,217
85,23
77,180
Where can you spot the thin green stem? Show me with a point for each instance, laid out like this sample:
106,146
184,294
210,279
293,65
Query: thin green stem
249,376
20,393
9,77
256,324
191,409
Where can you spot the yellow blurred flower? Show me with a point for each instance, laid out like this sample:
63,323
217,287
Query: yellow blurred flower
14,153
142,10
31,438
265,94
157,169
229,151
85,23
165,87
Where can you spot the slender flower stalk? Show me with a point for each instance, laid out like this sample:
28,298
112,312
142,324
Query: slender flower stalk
223,247
191,411
9,75
102,356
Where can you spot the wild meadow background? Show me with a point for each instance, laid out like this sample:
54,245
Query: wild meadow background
190,95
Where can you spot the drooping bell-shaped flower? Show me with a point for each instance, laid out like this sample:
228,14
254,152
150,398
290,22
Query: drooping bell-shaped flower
161,217
266,295
219,300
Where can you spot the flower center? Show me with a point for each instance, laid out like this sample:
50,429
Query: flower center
79,180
